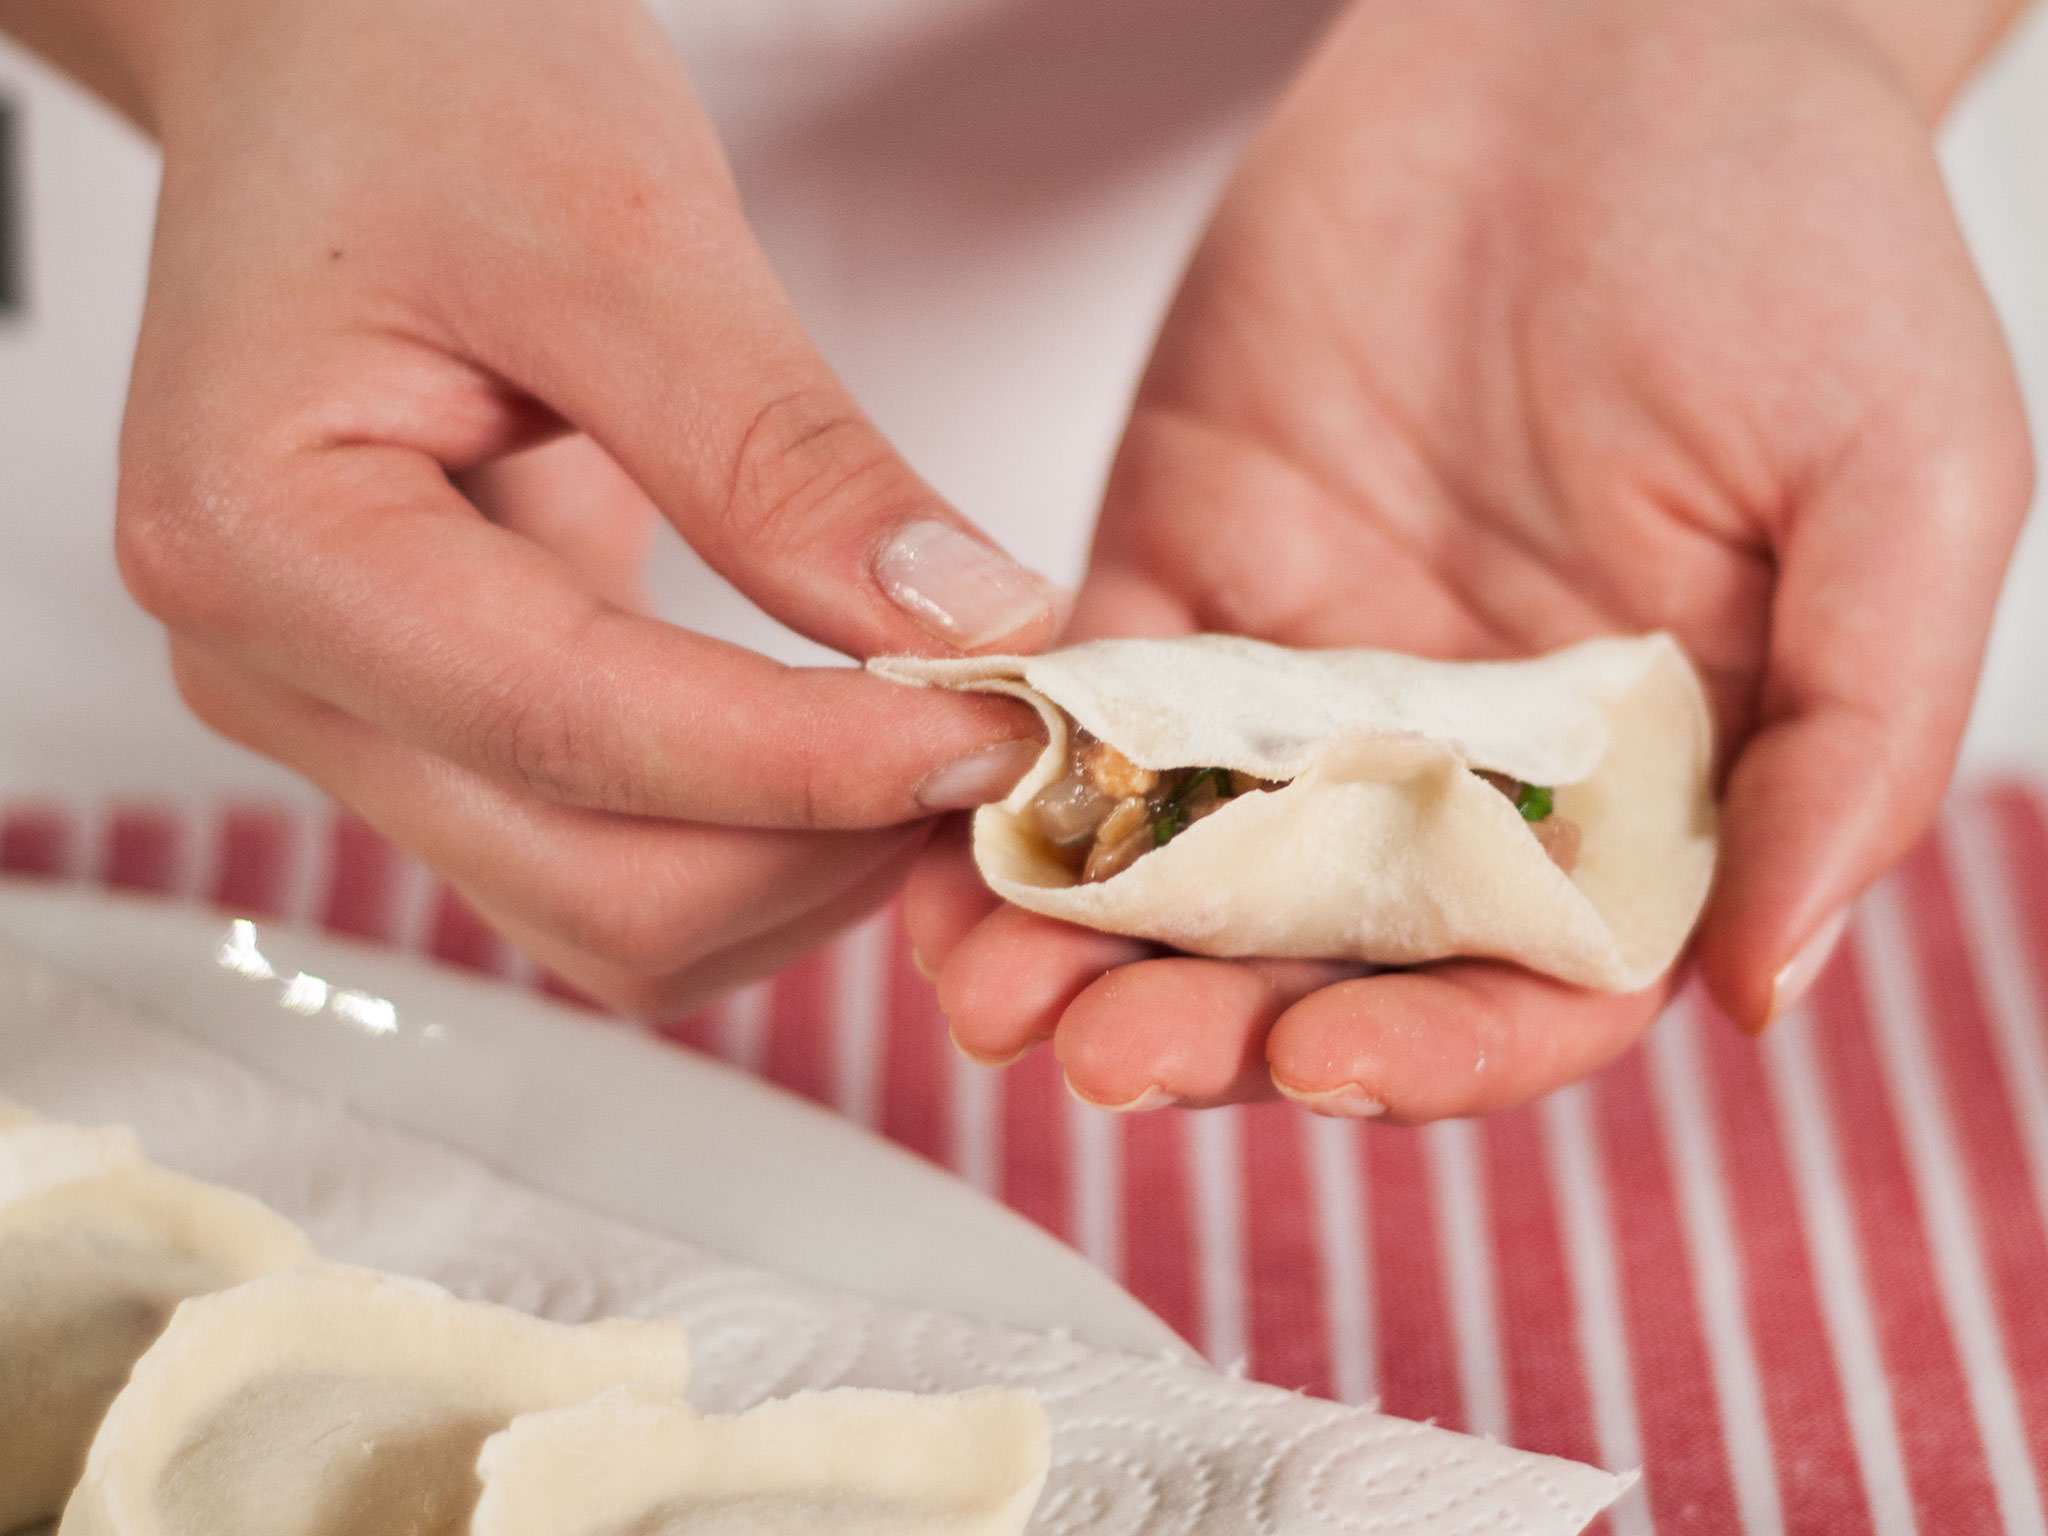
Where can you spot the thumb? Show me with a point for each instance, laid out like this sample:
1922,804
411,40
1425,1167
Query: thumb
694,373
1885,594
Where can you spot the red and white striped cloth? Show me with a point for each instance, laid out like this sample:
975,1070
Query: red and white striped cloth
1803,1283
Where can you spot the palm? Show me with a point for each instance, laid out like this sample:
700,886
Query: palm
1566,376
1682,339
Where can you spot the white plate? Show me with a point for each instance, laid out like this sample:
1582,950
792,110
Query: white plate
582,1110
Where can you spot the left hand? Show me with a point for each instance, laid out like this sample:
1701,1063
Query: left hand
1521,324
445,300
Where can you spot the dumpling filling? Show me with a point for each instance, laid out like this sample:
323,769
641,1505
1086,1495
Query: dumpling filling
1106,812
1537,803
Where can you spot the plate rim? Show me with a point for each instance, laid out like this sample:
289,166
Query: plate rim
871,1220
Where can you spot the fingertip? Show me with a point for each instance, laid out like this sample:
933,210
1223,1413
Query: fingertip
871,752
967,783
1347,1101
997,1063
1817,807
1011,977
963,590
1188,1029
1147,1101
1461,1038
1796,977
1192,1029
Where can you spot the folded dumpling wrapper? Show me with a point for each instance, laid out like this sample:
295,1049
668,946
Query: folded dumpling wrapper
13,1114
332,1400
97,1247
37,1156
1382,845
848,1462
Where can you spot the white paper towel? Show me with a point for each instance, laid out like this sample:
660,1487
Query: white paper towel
1141,1447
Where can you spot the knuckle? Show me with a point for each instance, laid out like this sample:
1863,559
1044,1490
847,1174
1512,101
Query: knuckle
529,725
803,456
816,793
524,736
838,771
830,795
186,542
529,737
162,550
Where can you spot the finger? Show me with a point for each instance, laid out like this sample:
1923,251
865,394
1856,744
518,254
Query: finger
945,896
1181,1030
672,994
1006,984
1462,1038
369,583
1885,596
678,351
568,497
644,902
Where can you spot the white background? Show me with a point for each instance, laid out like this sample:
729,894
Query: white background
982,264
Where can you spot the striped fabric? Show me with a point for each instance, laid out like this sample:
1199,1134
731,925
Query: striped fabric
1804,1284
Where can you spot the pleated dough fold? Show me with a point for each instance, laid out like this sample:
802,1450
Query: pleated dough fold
332,1401
848,1462
1382,844
97,1246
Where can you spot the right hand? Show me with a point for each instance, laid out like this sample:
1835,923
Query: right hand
398,244
1522,324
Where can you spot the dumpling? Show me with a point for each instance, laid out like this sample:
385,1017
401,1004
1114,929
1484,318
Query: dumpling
334,1401
37,1156
13,1114
97,1246
841,1463
1360,805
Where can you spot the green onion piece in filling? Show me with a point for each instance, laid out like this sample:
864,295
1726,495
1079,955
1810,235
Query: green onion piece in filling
1534,802
1193,781
1172,819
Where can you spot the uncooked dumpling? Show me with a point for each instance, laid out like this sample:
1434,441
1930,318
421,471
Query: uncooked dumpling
1365,817
13,1114
97,1246
37,1156
841,1463
339,1402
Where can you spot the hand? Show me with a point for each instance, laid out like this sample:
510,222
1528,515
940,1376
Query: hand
397,245
1521,324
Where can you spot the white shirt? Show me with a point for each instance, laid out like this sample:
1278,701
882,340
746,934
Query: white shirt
979,207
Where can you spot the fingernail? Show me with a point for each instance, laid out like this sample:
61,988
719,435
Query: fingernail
919,965
1348,1100
1152,1098
988,775
963,590
1800,972
977,1058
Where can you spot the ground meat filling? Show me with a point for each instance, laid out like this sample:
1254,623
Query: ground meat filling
1559,837
1107,812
